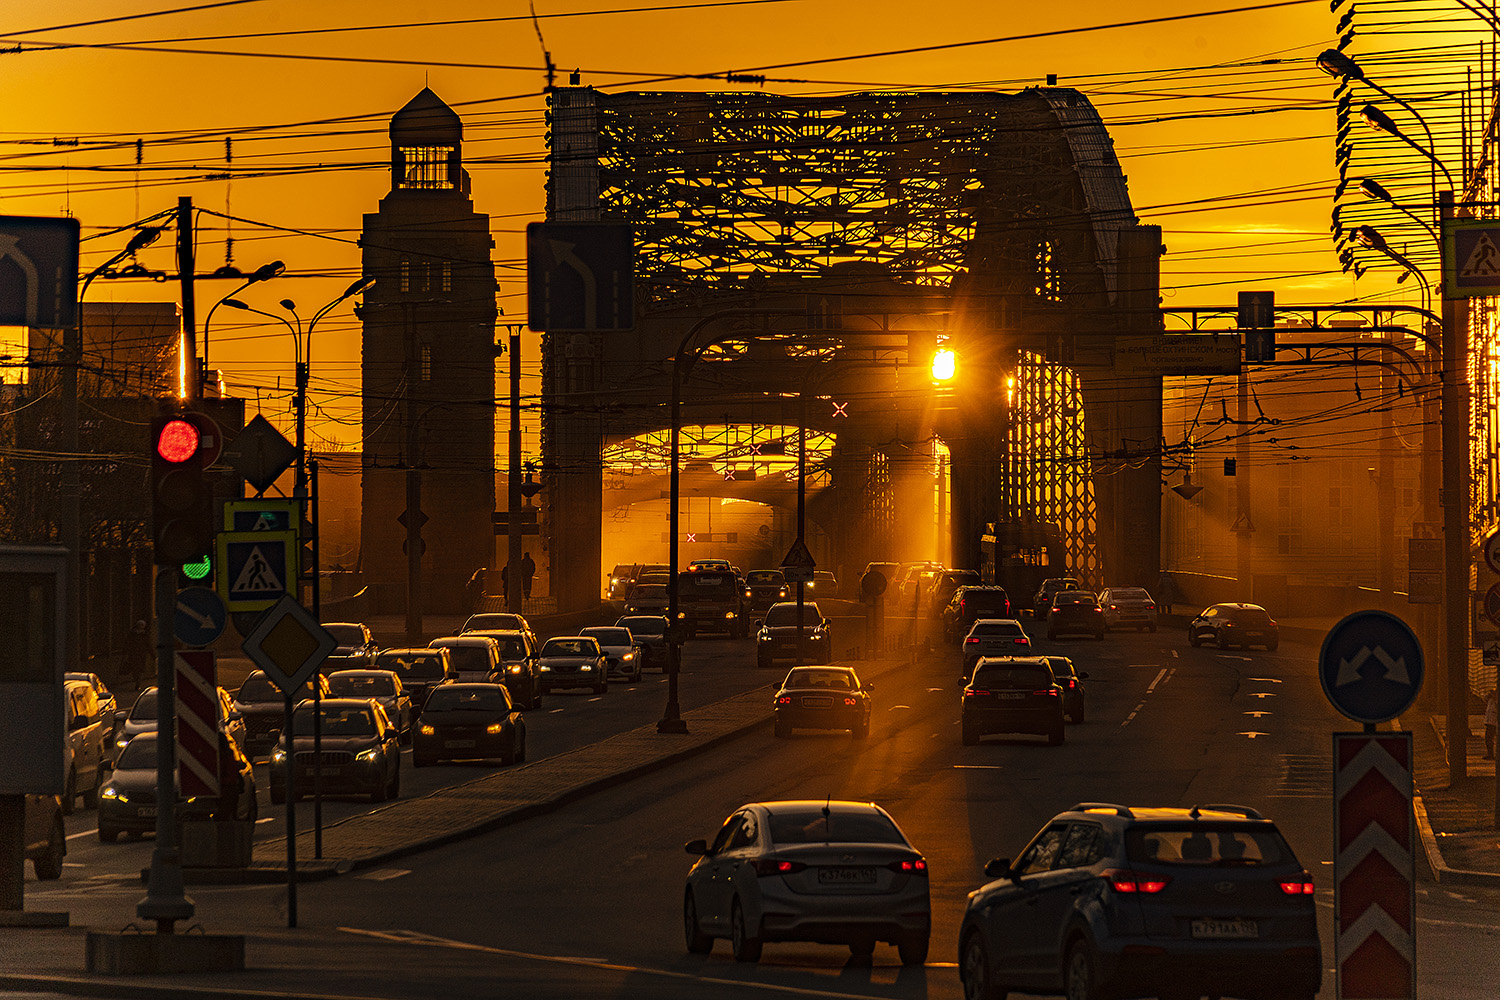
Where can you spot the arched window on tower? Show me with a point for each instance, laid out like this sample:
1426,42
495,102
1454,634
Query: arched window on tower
426,168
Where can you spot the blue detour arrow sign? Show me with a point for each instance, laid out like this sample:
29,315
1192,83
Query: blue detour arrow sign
1371,666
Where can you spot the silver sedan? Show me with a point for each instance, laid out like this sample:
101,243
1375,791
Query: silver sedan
830,872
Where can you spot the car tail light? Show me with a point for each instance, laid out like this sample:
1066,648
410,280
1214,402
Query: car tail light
1302,887
1072,682
910,866
1150,607
1114,607
975,693
971,640
1021,640
1049,692
1125,880
851,701
785,699
776,866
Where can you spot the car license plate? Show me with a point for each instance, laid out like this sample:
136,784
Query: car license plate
816,702
1225,929
846,876
459,744
145,811
1012,695
325,771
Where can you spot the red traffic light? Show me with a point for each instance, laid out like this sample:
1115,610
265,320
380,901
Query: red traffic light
177,441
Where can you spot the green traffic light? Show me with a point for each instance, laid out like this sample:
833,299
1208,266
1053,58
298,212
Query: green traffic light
198,570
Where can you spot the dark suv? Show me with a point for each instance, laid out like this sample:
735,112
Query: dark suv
1042,603
1013,694
776,636
1075,612
968,605
1126,902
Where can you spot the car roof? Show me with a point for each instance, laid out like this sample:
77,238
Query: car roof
1016,661
412,651
1240,607
1213,813
362,672
340,702
821,666
998,621
556,638
793,604
798,805
467,639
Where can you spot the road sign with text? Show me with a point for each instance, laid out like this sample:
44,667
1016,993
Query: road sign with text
1374,904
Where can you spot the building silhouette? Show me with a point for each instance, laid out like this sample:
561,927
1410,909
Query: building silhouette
427,366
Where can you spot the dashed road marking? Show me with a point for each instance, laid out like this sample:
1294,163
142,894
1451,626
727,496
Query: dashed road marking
383,874
1174,654
554,711
1262,694
597,697
1252,735
1266,680
977,767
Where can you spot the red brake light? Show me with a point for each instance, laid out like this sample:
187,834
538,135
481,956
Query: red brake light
1302,887
970,639
1150,607
1125,880
975,693
776,866
1050,692
911,866
851,701
1021,640
1072,682
785,699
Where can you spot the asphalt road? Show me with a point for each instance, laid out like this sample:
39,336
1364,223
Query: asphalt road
585,902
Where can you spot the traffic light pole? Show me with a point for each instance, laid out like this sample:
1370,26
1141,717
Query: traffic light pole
514,580
165,902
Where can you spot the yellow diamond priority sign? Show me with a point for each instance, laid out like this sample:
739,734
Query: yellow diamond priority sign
288,644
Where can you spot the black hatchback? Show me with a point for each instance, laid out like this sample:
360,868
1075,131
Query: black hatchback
1013,694
1114,901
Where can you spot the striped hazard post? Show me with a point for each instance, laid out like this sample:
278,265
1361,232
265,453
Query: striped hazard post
197,723
1374,893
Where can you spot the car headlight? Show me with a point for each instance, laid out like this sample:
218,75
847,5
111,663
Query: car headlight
122,741
426,730
763,635
368,755
514,669
113,793
783,592
729,614
682,614
495,728
543,668
586,668
628,656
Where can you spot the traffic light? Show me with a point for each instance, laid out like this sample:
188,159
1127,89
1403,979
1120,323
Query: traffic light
182,527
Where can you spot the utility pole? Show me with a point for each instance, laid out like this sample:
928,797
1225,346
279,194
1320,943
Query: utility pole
192,384
1244,526
1455,503
413,494
512,570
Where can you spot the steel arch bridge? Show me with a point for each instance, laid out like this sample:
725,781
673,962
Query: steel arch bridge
865,229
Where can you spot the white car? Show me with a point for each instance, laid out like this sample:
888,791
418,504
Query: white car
624,656
831,872
1128,607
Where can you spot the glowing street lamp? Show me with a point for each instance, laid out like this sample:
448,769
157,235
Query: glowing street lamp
944,365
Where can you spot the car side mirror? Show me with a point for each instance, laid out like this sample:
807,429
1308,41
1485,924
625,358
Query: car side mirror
998,868
234,716
121,715
869,687
697,847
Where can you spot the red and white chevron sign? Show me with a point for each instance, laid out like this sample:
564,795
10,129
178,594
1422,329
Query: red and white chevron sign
1374,900
197,723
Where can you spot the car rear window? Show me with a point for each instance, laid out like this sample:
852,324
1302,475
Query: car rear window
1205,844
469,658
1065,599
467,698
819,679
493,621
346,635
1013,677
765,576
985,599
413,667
991,630
360,686
1249,616
1129,594
811,826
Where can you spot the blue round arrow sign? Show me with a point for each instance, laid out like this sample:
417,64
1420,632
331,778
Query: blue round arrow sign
1371,666
199,616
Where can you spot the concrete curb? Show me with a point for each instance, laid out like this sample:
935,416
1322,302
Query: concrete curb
1441,873
118,987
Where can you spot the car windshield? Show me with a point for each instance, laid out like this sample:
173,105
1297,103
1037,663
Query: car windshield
336,721
257,687
648,590
1206,844
765,576
469,658
494,621
139,754
786,614
1012,677
346,635
144,709
997,630
1066,583
360,686
621,571
570,647
413,666
837,679
813,826
645,625
610,636
467,698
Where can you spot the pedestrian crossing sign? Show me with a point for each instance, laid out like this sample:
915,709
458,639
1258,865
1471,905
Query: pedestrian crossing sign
1471,258
255,568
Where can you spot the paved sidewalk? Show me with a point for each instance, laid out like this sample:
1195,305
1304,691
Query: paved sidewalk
1456,821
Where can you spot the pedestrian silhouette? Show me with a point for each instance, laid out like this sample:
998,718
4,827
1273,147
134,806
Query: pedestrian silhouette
528,570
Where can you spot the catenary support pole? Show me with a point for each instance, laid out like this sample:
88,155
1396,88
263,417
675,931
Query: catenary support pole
514,582
1455,502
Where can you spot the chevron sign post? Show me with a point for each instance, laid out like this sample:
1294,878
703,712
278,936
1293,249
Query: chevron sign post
197,723
1374,899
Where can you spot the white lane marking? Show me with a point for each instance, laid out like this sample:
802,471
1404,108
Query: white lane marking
930,690
265,819
1262,694
1257,714
1174,654
83,833
1152,686
1252,735
79,864
977,767
554,711
1133,666
383,874
1226,656
894,707
1266,680
415,937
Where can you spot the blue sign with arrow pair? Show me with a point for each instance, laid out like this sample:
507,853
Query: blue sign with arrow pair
1371,666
